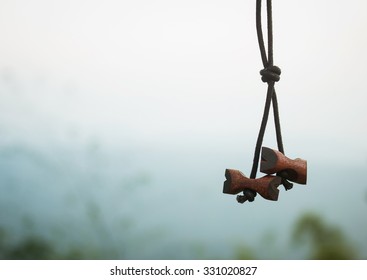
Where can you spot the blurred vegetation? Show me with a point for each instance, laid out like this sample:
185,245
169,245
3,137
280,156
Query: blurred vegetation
96,239
325,242
243,252
27,249
33,247
319,239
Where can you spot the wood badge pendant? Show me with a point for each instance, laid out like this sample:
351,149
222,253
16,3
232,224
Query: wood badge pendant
277,166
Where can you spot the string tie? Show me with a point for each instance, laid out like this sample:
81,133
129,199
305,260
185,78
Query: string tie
248,195
270,74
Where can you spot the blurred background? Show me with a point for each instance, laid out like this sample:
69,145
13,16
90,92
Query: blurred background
119,118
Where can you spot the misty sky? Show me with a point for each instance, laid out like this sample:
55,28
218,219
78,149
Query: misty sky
181,78
164,70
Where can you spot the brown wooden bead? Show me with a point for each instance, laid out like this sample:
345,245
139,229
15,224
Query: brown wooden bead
273,161
266,186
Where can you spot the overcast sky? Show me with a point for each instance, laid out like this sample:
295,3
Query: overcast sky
168,69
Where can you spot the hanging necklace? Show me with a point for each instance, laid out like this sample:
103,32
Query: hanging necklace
272,161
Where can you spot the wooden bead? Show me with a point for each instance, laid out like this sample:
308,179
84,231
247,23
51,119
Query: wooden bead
273,161
266,186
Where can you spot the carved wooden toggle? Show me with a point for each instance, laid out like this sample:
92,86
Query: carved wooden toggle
273,161
266,186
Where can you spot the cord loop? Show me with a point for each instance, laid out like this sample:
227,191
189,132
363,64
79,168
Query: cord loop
270,74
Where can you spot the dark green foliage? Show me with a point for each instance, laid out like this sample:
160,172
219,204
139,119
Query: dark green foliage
30,249
243,252
326,242
320,239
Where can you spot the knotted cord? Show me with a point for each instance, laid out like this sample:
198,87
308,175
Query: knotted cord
270,75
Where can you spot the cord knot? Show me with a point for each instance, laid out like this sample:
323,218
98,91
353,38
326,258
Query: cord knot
270,74
248,195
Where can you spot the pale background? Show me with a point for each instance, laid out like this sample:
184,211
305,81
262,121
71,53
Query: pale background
118,119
